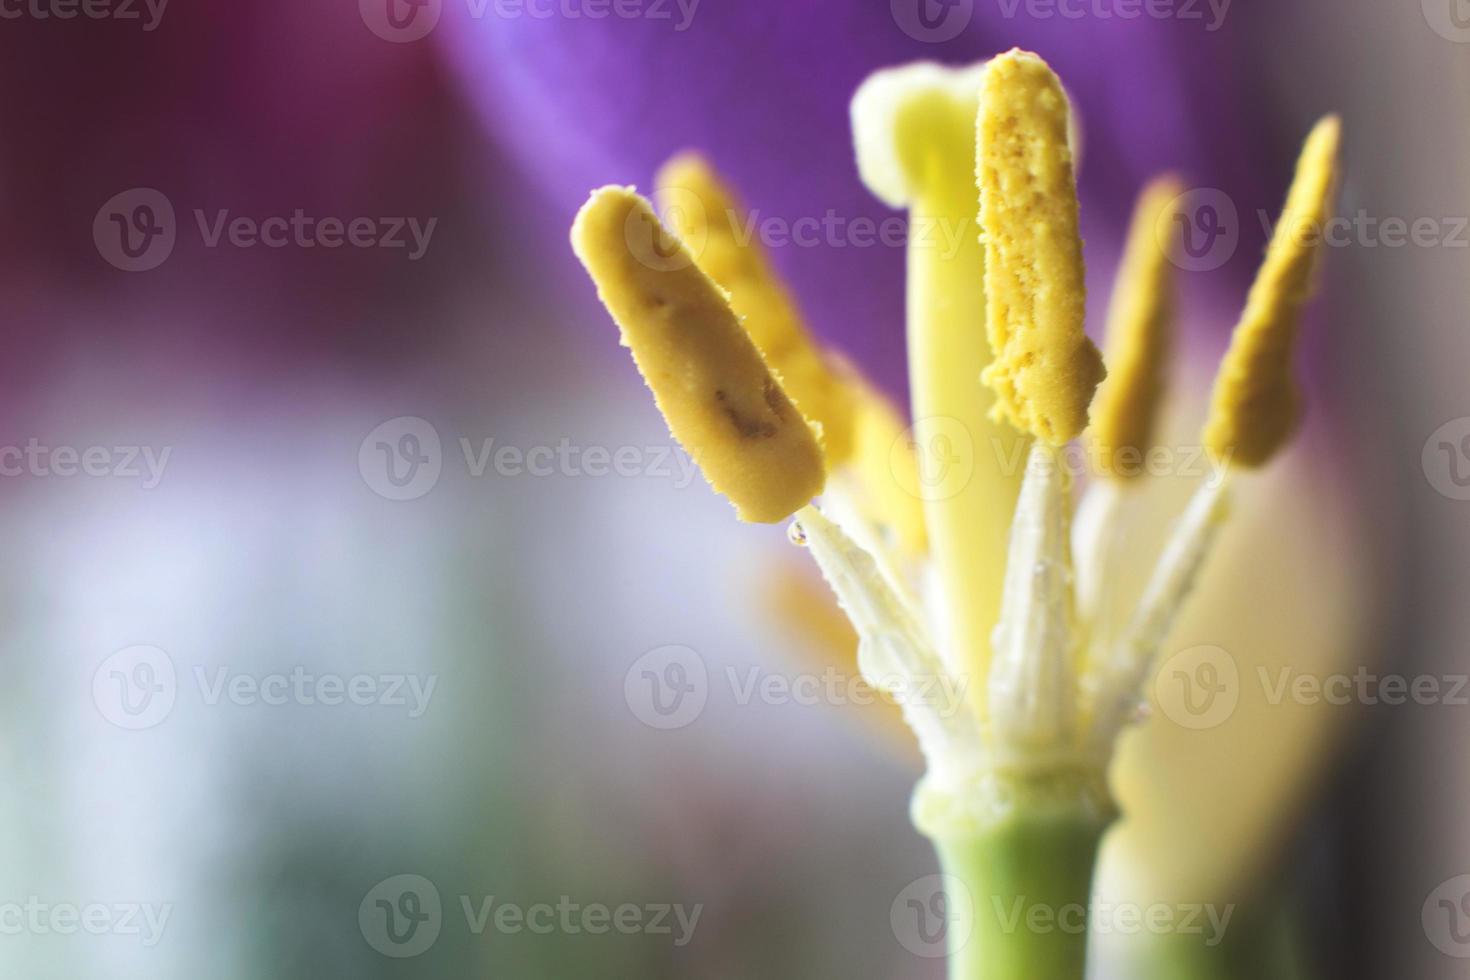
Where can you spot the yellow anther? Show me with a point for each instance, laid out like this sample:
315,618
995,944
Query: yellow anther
1045,369
886,466
1140,327
1256,406
707,377
705,213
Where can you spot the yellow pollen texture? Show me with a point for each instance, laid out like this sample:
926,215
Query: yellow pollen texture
707,216
1256,406
708,379
1140,322
1045,369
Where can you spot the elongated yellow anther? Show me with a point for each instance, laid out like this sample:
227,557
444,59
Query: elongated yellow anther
1256,406
1140,328
706,214
886,467
707,377
914,135
1045,370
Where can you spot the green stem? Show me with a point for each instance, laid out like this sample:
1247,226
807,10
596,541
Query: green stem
1264,941
1019,850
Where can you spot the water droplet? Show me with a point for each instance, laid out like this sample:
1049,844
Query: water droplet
796,534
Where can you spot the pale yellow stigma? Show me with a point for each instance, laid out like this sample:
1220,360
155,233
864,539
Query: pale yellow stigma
1256,406
705,213
912,129
1140,325
1045,369
914,136
707,377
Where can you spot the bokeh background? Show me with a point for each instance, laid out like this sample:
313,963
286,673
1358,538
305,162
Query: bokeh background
255,672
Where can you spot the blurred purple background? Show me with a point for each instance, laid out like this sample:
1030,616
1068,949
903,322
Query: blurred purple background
266,546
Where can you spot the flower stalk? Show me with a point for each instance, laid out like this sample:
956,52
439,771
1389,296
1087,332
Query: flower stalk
1018,850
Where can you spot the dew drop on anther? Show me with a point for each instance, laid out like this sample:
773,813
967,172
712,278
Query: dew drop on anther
796,534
